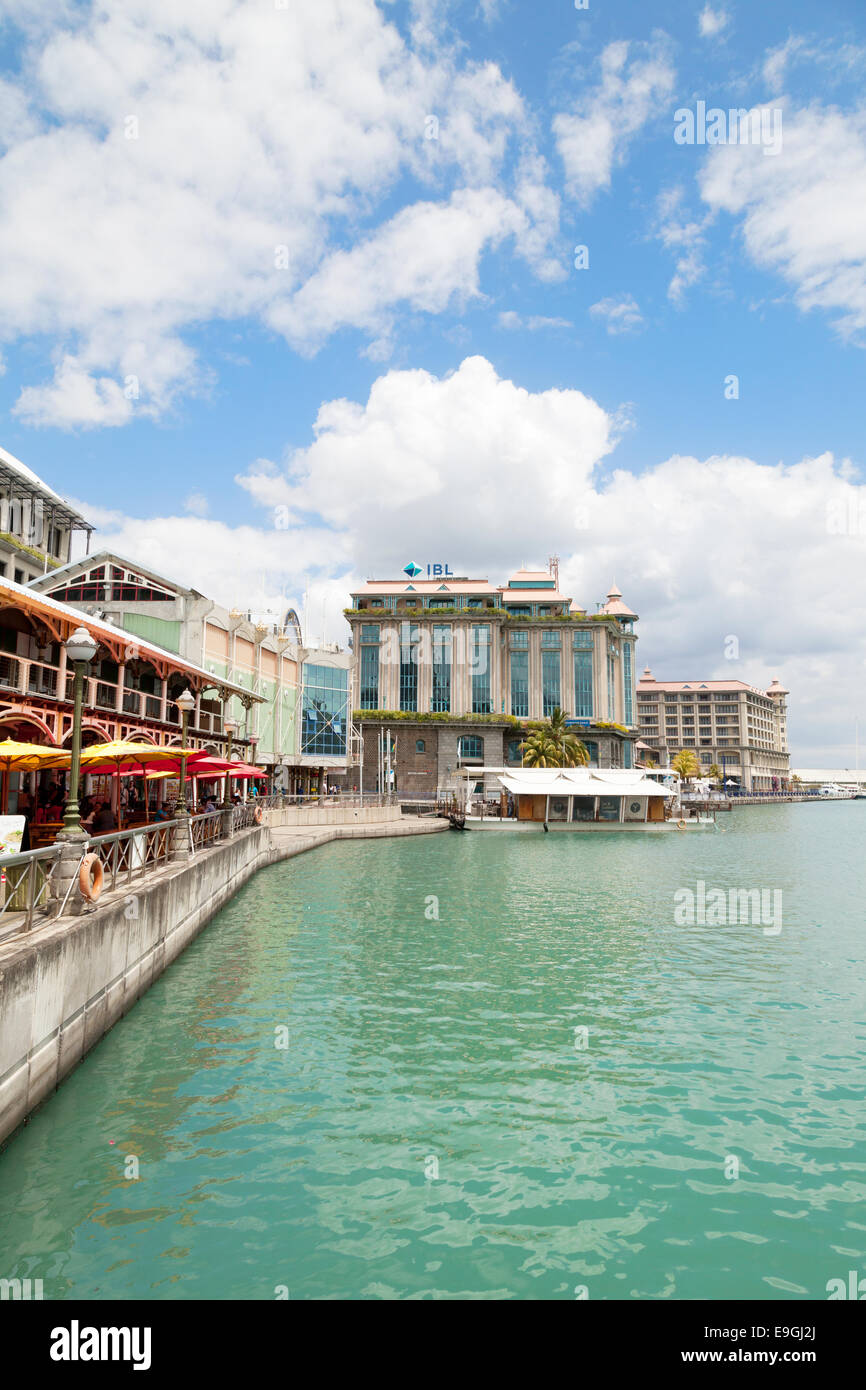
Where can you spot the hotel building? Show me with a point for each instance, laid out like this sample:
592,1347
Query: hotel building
741,729
456,668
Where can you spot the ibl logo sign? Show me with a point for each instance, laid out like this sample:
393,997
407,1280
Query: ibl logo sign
437,571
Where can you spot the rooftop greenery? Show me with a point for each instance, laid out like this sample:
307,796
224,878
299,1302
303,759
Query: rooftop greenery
389,614
376,716
29,550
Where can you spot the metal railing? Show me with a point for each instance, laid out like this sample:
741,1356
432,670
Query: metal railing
28,881
129,854
206,829
26,887
304,800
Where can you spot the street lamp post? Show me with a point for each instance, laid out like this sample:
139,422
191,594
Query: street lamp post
186,704
81,648
230,726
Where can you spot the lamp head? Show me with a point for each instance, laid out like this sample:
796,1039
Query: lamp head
185,702
230,726
80,646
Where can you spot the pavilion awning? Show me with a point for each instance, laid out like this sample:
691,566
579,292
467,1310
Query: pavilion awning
573,781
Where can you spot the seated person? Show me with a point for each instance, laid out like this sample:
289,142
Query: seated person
104,821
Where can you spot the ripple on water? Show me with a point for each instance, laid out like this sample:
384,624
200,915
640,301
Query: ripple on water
435,1127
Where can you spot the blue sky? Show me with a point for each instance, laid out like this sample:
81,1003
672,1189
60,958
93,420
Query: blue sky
156,160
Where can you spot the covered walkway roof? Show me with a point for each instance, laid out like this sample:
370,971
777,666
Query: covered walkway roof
62,618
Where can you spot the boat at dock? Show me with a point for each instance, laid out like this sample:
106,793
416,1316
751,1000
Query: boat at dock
573,799
831,791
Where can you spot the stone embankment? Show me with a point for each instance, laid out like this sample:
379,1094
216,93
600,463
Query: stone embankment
68,980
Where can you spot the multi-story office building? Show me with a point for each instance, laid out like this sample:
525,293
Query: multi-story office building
36,525
740,729
297,726
456,668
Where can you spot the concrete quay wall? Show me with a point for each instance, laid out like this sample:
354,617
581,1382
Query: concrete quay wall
66,982
330,815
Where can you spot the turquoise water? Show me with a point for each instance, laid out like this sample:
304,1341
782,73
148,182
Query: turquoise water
431,1130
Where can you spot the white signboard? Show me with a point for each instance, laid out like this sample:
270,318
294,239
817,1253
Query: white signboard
11,831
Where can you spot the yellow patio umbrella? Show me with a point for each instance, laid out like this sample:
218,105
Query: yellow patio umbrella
123,754
26,757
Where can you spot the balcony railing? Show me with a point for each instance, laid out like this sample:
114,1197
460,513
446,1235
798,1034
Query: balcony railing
27,676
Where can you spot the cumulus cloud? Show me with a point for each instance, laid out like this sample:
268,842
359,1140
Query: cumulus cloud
594,138
803,211
229,160
621,315
440,467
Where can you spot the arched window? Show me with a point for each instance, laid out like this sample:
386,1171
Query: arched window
420,745
514,754
592,750
470,746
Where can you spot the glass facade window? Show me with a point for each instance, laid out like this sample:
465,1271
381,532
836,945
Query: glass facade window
471,746
628,684
550,692
520,684
420,745
626,755
611,685
584,639
369,693
583,684
479,661
441,698
549,638
513,753
592,750
519,641
408,666
325,710
370,632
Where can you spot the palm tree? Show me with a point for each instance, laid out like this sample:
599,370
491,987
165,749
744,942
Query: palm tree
539,750
551,745
650,762
714,773
686,763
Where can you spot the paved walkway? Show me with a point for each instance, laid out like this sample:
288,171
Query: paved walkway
288,840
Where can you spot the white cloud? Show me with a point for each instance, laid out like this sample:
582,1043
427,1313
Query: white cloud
426,256
622,315
777,60
221,160
683,234
473,469
533,323
197,504
711,22
803,210
595,138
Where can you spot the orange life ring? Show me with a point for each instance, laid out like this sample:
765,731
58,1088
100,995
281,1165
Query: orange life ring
258,815
90,877
681,825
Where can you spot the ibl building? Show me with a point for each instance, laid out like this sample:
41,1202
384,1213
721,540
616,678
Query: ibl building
456,668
